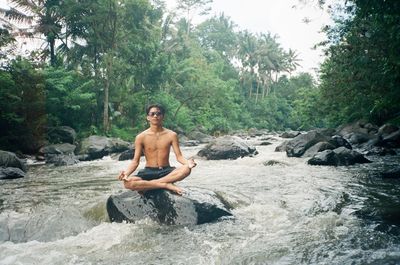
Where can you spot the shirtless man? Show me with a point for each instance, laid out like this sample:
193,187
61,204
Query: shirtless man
155,143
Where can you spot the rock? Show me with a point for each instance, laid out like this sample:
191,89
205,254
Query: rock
61,134
324,158
391,140
126,155
358,132
58,149
318,147
371,128
9,159
387,129
83,157
274,163
355,127
11,173
290,134
62,160
60,154
227,147
98,146
265,143
196,206
297,146
358,138
282,146
349,157
338,141
338,157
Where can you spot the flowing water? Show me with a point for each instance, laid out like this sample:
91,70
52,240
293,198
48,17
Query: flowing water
288,213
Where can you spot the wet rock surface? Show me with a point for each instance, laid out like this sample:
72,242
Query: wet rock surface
196,206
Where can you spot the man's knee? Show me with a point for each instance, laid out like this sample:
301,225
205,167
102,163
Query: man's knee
186,170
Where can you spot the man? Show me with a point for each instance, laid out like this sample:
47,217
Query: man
155,143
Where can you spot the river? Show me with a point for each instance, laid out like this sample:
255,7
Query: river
289,213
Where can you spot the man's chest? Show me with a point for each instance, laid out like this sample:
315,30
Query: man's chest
152,143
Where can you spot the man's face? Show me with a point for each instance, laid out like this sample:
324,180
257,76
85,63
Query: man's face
155,115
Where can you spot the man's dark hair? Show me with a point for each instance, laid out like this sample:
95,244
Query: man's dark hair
158,106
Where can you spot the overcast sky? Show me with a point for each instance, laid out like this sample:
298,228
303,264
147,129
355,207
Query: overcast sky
282,19
278,17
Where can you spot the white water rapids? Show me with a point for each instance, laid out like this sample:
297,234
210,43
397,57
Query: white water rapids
289,213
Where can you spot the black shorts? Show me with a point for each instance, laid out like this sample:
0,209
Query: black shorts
150,173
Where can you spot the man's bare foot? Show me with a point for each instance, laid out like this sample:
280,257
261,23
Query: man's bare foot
174,188
191,163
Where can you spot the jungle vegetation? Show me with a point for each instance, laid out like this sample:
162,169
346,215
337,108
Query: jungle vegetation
105,60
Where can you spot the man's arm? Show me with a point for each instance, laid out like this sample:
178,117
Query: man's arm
178,153
136,158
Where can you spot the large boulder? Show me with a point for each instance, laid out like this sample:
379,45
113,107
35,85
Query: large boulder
358,138
11,173
297,146
392,140
359,132
9,159
227,147
338,141
62,160
58,149
318,147
338,157
60,154
387,129
282,147
196,206
126,155
98,146
61,134
354,127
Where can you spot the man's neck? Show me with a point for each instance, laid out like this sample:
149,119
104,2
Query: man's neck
156,128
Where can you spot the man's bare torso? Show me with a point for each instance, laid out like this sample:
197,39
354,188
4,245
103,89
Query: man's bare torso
156,147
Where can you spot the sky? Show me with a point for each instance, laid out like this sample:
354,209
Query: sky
280,18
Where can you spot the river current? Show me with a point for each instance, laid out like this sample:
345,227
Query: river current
287,213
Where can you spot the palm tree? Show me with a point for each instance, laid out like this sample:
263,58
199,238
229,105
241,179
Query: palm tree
247,54
43,18
291,61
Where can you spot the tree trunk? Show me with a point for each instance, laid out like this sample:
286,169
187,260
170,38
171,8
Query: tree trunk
52,52
106,118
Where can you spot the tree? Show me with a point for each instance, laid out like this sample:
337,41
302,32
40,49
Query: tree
192,7
360,78
44,18
22,114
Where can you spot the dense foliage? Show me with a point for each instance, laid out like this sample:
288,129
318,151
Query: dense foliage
361,77
107,59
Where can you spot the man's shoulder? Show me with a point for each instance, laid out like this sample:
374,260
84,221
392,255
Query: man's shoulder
142,134
170,132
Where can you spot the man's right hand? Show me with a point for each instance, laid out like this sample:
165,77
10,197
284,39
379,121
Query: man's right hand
122,176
